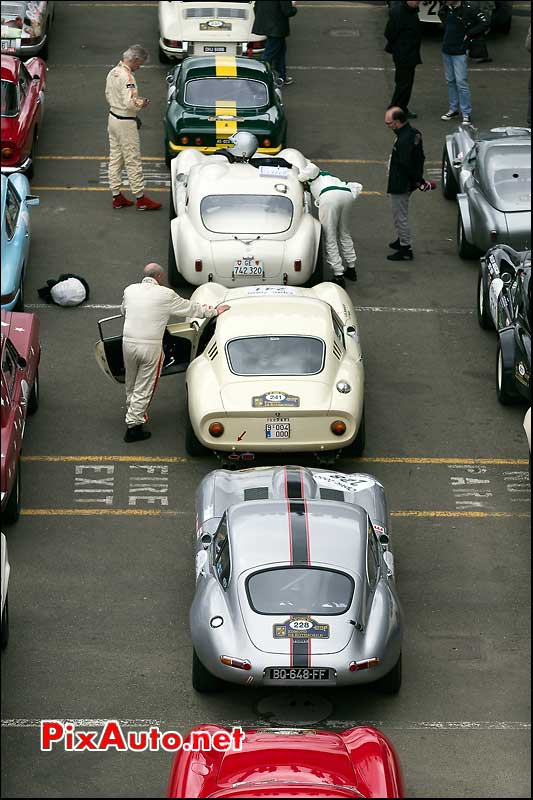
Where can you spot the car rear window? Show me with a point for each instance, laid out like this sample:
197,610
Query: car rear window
242,92
9,99
246,213
300,590
276,355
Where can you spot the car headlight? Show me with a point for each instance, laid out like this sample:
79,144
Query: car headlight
344,387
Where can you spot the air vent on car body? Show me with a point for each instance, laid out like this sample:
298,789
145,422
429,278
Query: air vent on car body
214,13
212,352
337,352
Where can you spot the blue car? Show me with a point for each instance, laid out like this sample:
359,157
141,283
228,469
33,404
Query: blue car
15,234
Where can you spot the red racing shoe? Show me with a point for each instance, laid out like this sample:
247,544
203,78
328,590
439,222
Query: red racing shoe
119,201
146,203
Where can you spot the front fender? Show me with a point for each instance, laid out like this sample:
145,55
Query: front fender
464,211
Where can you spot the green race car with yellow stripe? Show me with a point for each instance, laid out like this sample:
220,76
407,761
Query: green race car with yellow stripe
212,97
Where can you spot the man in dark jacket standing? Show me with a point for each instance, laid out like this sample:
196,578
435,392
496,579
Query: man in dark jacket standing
461,23
406,173
272,21
404,35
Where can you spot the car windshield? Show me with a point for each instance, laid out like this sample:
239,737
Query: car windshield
210,92
300,590
9,99
246,213
276,355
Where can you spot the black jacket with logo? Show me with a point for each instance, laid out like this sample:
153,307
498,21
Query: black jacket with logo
461,23
272,17
406,169
404,35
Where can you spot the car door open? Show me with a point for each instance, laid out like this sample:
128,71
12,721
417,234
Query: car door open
179,346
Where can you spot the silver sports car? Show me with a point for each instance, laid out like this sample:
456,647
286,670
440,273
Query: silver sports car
294,581
490,174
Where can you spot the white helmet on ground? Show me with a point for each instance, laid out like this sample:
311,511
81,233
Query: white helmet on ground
244,144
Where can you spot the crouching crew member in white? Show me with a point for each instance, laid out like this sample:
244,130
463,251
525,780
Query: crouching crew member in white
334,199
148,306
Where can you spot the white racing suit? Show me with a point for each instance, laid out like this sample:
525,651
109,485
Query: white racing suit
334,199
148,307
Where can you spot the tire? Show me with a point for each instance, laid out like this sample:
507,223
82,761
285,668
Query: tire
505,385
33,401
483,302
392,682
168,159
45,51
19,305
448,181
175,278
5,624
356,448
466,250
202,680
192,444
171,208
12,509
318,274
163,58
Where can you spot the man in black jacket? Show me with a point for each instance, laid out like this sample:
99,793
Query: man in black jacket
406,173
404,35
272,21
461,23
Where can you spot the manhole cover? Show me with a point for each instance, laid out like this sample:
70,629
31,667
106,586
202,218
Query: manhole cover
294,708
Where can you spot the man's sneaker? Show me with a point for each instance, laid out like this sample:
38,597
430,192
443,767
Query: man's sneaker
136,434
287,81
339,280
119,201
450,114
351,274
467,120
403,254
146,203
395,245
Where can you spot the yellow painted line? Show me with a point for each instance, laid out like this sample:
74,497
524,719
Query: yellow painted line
101,512
224,128
226,66
459,514
368,460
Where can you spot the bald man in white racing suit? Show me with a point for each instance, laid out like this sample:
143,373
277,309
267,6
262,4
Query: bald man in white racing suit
148,306
334,199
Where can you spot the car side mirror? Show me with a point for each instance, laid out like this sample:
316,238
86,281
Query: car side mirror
351,330
206,540
170,77
36,77
507,278
21,362
457,163
32,200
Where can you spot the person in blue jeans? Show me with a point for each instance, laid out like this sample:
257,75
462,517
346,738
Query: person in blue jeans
462,22
272,20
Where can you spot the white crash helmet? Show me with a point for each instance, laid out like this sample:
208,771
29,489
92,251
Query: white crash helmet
244,144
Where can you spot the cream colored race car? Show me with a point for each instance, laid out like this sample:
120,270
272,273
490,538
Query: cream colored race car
280,371
241,223
200,28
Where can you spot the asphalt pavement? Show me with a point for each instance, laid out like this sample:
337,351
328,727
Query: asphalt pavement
102,557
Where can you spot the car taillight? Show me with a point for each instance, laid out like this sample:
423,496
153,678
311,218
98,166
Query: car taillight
8,298
198,265
198,140
184,140
238,663
494,236
255,45
266,142
298,266
172,43
216,429
8,151
338,427
366,664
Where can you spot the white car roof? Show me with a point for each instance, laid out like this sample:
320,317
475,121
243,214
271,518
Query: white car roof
225,178
267,316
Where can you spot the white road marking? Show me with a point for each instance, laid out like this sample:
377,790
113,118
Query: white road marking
21,722
302,67
378,309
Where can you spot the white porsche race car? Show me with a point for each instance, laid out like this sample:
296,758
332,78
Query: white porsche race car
242,223
280,371
199,28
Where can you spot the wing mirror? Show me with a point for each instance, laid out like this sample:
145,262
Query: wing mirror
507,278
36,77
21,364
206,540
351,330
170,77
32,200
457,163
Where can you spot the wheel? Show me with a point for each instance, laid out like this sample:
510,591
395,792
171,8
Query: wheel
168,159
392,682
175,278
31,169
192,444
163,58
356,448
5,624
44,52
33,401
12,509
505,385
172,211
448,181
202,680
483,302
19,305
464,248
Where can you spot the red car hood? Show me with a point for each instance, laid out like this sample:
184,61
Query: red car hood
286,789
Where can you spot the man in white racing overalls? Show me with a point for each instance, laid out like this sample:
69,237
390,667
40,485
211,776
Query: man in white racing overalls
334,199
148,306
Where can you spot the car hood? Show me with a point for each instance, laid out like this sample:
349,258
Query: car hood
249,395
